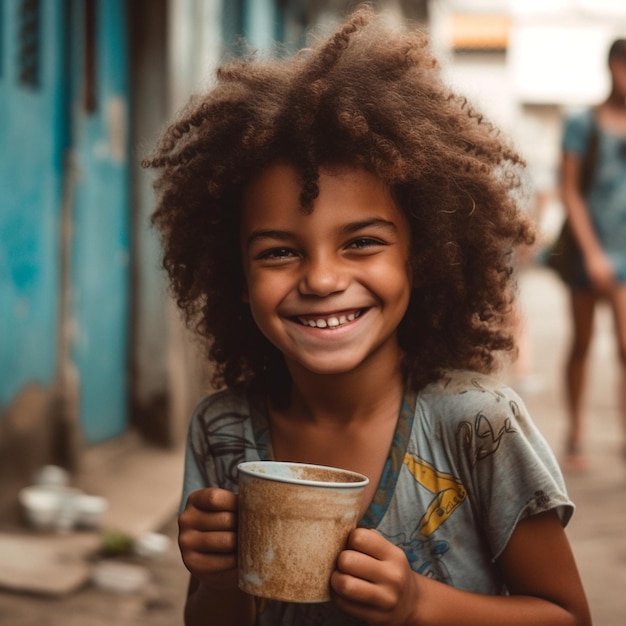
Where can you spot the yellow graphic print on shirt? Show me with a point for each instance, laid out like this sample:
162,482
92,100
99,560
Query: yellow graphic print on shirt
448,491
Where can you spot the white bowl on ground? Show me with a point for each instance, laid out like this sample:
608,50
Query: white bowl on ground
49,507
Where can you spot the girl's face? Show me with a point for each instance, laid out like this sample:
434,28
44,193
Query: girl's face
328,289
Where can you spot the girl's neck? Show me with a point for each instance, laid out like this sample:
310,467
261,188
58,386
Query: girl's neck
345,397
616,101
611,114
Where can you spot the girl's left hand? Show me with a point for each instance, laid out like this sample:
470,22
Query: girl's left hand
374,581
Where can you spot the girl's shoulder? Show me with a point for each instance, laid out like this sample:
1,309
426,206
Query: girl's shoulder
578,127
460,395
461,382
222,407
581,118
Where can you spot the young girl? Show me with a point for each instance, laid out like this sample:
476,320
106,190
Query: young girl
596,213
339,226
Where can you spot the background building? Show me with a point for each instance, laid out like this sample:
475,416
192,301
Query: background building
526,63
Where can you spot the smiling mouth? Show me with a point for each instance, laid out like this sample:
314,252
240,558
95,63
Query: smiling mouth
329,321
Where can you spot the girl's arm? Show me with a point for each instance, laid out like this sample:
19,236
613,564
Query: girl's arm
374,582
598,266
207,539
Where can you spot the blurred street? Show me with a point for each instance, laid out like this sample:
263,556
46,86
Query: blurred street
99,374
597,530
158,603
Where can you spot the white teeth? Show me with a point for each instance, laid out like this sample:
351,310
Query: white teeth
331,322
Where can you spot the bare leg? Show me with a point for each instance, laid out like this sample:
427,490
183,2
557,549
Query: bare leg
618,305
582,309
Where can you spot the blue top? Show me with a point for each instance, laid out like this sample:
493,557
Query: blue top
606,198
465,466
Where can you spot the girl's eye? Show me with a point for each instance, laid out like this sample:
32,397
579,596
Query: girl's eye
365,242
276,254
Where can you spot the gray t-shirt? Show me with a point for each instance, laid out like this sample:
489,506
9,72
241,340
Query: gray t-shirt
466,465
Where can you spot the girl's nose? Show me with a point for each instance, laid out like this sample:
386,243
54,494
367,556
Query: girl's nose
321,277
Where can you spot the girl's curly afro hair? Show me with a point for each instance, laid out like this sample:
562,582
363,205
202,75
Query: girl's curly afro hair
371,96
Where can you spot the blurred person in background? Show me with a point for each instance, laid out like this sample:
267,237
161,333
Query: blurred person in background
593,187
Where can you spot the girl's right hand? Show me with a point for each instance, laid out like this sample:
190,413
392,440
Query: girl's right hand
601,272
207,536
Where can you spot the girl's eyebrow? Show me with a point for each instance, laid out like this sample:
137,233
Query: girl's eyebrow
280,235
377,222
352,227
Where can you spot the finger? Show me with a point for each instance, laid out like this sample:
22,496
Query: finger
354,590
370,542
207,543
213,499
207,565
359,566
198,561
192,518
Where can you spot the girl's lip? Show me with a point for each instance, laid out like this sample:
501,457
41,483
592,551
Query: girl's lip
329,320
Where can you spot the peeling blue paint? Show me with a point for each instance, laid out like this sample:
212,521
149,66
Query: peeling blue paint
30,190
39,124
101,221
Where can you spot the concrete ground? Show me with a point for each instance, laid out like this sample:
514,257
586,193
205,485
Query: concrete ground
139,478
46,579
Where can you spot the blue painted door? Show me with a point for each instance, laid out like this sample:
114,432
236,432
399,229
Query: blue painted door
100,266
32,143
